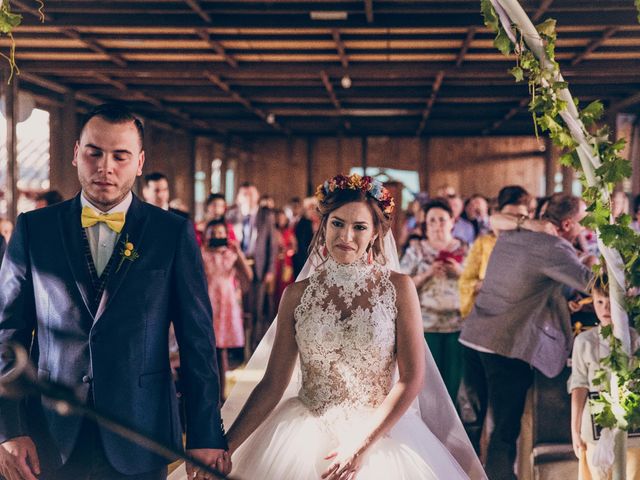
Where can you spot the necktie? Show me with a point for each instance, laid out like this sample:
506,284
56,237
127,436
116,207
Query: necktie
89,217
246,233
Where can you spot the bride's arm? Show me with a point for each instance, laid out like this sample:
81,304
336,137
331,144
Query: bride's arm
266,395
411,369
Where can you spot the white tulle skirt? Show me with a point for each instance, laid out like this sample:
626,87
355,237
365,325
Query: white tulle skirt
292,442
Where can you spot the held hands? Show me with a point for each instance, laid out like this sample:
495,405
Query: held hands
579,445
452,268
215,458
19,459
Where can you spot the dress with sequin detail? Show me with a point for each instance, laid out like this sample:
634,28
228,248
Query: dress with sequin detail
346,335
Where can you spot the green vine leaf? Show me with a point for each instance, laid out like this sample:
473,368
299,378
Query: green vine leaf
8,20
592,112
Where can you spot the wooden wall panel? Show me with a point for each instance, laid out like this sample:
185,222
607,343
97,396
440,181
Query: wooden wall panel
172,154
471,165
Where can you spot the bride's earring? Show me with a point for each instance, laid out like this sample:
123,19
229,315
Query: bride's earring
370,258
325,251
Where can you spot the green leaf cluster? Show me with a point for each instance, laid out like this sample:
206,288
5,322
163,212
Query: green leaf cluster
546,106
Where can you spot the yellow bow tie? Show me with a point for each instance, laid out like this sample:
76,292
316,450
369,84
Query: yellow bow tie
89,217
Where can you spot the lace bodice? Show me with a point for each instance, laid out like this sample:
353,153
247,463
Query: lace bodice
346,334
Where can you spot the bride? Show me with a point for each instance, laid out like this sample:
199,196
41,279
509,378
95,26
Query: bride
350,389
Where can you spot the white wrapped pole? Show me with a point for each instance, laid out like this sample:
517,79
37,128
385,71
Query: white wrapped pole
588,159
511,12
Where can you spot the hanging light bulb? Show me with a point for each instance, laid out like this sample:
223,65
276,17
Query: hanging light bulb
271,119
345,81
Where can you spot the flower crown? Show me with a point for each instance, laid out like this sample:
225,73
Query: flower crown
366,184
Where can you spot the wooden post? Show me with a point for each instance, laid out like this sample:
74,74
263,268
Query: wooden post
550,167
63,129
310,188
11,101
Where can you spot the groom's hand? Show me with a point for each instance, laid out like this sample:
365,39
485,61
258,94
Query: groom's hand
215,458
19,459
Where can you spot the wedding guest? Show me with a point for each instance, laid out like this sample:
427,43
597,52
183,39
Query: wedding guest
216,209
303,230
588,350
462,228
286,240
472,394
225,267
6,228
476,211
254,226
619,204
521,320
48,198
635,224
3,247
267,201
435,264
156,192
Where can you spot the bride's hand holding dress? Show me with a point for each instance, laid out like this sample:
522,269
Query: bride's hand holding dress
411,369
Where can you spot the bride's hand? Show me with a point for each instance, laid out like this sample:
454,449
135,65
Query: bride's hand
344,466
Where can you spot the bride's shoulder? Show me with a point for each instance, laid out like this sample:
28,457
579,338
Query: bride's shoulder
295,290
400,281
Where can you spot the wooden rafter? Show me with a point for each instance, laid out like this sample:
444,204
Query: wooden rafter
432,100
332,95
222,85
95,46
368,10
608,33
623,104
342,53
508,116
33,11
217,46
465,45
195,6
542,9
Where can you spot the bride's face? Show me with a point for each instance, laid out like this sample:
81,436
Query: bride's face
350,230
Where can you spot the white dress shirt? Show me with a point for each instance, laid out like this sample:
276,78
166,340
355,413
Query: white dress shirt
102,240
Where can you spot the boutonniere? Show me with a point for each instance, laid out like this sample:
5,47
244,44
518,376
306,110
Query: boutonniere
127,252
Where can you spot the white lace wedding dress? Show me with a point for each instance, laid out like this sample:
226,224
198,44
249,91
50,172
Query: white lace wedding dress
346,335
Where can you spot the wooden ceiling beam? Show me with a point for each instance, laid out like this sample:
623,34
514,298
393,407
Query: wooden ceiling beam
334,99
368,10
342,53
608,33
217,46
41,14
437,83
623,104
94,46
195,6
508,116
542,9
222,85
465,45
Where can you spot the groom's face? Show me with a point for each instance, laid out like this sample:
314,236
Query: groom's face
108,157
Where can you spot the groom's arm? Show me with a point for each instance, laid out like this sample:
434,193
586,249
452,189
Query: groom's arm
193,323
17,319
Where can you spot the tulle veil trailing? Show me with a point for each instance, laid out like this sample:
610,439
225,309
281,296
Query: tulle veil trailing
433,402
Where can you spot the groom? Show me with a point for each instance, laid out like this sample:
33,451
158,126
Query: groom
90,286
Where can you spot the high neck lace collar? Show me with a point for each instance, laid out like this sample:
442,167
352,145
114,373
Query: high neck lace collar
347,276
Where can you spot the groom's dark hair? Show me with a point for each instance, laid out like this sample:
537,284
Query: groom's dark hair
114,113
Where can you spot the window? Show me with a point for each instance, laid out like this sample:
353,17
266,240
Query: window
32,160
216,176
409,179
230,183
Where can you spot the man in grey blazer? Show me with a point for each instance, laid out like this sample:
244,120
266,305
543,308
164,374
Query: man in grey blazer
521,320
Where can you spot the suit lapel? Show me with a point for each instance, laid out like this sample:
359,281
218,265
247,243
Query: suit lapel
134,227
71,231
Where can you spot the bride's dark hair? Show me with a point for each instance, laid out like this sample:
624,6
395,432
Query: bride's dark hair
332,201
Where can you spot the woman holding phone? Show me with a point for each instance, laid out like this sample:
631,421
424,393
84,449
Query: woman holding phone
435,264
226,267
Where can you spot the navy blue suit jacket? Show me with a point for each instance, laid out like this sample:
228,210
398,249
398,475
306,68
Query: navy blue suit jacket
122,350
